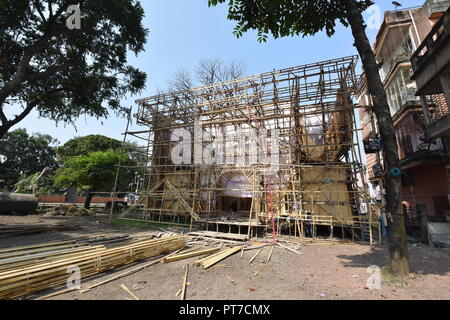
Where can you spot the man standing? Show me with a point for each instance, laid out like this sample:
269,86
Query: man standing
233,210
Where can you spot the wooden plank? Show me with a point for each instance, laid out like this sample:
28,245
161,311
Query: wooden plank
198,262
212,261
190,255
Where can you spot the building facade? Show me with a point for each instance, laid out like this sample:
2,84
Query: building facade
424,153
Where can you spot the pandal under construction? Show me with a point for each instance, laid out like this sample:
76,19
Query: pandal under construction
275,153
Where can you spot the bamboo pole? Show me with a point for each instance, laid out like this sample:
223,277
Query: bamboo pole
183,288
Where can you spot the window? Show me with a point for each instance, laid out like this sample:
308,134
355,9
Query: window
408,46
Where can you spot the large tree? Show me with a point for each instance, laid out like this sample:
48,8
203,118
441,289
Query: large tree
82,146
23,155
64,73
307,17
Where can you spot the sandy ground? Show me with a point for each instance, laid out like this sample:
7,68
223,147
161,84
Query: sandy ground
333,272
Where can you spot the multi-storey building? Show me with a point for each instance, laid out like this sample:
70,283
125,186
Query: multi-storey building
424,154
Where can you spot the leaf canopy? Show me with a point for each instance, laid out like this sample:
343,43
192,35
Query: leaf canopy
282,18
67,73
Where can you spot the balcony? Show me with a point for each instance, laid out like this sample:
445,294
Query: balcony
414,144
431,64
437,7
431,45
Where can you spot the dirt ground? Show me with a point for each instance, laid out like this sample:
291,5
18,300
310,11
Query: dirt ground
331,272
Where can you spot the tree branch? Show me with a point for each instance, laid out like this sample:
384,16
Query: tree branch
50,9
36,4
40,75
29,53
7,124
3,116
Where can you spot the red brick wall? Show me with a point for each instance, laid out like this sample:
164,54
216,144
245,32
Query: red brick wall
61,199
442,107
430,186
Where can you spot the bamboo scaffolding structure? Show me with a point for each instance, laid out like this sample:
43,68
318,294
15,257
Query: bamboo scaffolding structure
306,111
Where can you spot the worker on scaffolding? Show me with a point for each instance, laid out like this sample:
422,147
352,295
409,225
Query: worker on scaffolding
309,231
233,208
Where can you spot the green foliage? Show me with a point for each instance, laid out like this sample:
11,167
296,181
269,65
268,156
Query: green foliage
82,146
136,153
95,171
66,73
283,18
26,155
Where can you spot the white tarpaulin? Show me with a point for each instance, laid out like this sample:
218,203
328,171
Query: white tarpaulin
236,186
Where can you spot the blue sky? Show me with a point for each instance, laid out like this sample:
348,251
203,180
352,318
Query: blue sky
183,32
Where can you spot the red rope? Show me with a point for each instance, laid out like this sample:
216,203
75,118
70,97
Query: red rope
269,185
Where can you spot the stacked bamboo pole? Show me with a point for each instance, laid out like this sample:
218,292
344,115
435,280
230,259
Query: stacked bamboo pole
32,278
20,230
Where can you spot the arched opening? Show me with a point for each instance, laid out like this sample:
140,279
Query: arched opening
235,195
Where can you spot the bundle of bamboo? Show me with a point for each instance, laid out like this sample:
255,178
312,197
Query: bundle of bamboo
54,272
19,230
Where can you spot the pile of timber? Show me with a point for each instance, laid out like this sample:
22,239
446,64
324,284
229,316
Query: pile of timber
22,229
211,260
211,235
45,267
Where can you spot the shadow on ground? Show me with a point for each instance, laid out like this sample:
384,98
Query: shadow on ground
423,259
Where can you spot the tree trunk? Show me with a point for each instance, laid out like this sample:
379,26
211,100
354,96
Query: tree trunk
87,201
3,131
398,250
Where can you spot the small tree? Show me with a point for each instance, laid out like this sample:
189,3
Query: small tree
93,172
64,73
23,154
39,183
307,17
